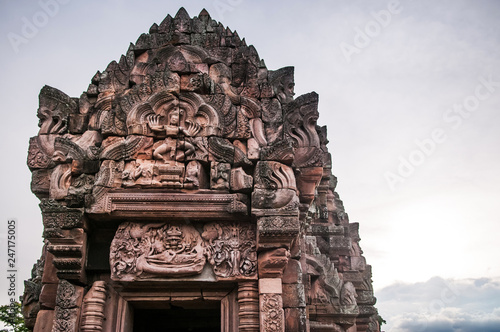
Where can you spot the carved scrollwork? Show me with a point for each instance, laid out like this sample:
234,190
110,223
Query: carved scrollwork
55,108
271,309
68,304
274,175
231,249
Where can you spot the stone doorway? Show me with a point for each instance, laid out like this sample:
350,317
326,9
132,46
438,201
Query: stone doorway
179,317
205,307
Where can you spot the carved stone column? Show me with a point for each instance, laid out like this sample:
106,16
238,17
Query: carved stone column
93,307
248,300
271,305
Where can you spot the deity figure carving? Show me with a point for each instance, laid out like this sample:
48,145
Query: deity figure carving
220,175
173,149
156,250
143,251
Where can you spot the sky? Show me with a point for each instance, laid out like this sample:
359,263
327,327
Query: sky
409,90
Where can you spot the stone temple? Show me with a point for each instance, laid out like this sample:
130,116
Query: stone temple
188,190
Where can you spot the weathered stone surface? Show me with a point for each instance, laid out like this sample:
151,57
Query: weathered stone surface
293,272
241,181
44,321
293,296
32,292
272,263
295,319
49,270
205,167
48,296
40,183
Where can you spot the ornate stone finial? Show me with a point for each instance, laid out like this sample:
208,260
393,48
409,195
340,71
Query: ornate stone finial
54,110
182,14
204,13
282,81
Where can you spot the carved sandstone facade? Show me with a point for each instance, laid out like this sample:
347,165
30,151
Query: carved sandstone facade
187,178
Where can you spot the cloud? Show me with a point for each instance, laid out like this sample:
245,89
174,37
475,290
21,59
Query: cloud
442,305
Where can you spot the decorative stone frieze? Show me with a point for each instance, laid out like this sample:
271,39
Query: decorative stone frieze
162,250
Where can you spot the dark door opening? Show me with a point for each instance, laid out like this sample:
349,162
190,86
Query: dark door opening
178,319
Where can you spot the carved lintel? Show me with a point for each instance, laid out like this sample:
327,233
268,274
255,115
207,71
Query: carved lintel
156,250
174,249
231,249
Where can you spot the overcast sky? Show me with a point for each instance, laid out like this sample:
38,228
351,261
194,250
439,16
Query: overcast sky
410,91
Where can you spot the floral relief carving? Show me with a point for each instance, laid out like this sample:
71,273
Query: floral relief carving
271,310
68,303
231,249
